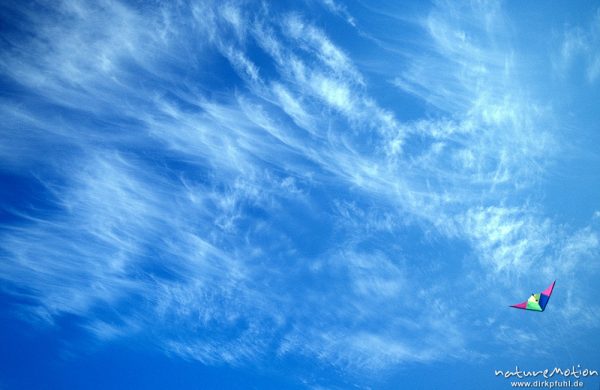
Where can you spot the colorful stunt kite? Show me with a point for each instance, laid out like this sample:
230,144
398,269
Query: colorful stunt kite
536,302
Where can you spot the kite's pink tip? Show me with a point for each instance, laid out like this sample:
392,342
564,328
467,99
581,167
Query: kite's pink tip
520,305
548,291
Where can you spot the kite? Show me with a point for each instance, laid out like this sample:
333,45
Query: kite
536,302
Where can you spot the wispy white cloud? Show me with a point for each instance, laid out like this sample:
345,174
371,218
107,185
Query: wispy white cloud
582,44
339,9
91,244
345,335
508,239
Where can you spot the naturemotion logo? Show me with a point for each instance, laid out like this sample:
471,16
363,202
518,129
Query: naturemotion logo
548,373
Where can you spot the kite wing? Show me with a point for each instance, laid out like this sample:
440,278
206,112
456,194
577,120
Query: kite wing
536,302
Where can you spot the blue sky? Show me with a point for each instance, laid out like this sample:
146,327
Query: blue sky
305,194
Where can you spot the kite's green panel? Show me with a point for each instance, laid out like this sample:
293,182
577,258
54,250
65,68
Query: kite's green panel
533,306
